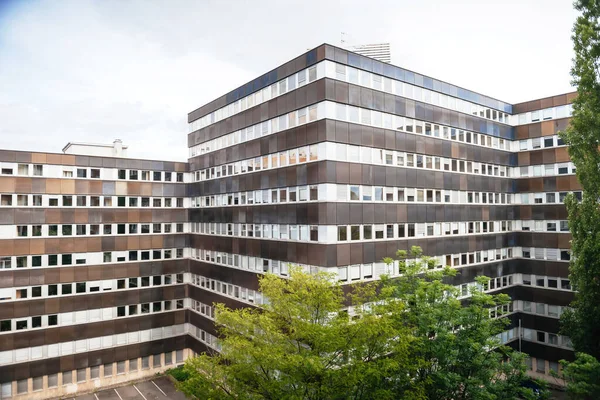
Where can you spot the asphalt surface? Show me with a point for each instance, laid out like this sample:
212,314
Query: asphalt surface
160,388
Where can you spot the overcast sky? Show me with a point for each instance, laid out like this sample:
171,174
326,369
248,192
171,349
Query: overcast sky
93,71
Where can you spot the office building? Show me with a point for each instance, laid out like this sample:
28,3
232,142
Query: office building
110,265
378,51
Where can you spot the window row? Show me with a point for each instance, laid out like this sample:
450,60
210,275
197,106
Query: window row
543,226
392,158
546,254
21,169
549,310
331,192
542,115
278,88
154,176
408,230
343,233
39,200
239,293
502,311
69,289
89,258
249,263
543,366
51,382
88,316
548,338
91,344
300,155
89,229
544,198
549,282
210,340
367,79
75,172
540,142
544,170
203,309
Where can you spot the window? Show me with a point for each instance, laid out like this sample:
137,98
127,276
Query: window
22,386
5,326
53,320
156,361
38,170
80,287
94,173
81,173
22,230
53,380
120,367
67,230
81,375
108,369
133,175
67,377
67,288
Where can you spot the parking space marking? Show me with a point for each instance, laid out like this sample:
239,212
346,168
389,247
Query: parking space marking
138,390
118,394
96,396
164,394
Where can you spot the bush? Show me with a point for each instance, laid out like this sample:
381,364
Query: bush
179,374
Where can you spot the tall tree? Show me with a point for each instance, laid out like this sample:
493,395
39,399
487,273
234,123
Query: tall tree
405,338
582,324
582,377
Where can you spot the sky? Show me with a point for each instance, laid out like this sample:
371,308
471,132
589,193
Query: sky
97,70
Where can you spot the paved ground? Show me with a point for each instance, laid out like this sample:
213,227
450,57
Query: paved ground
160,388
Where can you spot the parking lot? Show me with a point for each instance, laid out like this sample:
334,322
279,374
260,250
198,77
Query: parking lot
159,388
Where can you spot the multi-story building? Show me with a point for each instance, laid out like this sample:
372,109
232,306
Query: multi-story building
110,266
378,51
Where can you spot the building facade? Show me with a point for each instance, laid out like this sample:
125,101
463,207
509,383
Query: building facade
109,266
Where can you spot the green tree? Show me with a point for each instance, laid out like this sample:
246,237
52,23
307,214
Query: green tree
452,341
402,338
582,377
582,323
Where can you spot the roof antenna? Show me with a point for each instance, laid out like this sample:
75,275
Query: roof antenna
342,40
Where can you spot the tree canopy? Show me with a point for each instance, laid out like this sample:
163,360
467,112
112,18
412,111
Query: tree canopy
583,138
403,338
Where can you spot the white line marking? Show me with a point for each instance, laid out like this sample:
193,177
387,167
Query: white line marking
96,396
118,394
159,388
138,390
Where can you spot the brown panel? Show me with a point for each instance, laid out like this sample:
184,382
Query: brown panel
523,158
67,159
562,154
67,186
547,128
7,247
38,158
53,186
7,185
